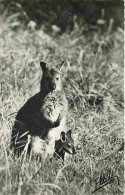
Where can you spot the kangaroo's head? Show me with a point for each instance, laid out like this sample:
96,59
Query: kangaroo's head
52,78
66,143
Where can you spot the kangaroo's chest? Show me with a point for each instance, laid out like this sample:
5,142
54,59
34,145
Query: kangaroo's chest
52,106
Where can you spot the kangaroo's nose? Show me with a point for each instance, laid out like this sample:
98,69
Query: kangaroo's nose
74,151
52,86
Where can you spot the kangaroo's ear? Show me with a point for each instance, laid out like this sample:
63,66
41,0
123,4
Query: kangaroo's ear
64,68
43,66
63,136
68,134
61,66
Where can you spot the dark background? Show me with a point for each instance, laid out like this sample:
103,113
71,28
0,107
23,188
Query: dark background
64,13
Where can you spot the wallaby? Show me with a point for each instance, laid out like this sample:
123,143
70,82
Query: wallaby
64,145
54,109
44,114
55,105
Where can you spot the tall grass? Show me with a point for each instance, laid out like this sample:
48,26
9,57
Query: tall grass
94,89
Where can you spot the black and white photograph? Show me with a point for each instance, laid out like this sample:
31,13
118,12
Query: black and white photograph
61,97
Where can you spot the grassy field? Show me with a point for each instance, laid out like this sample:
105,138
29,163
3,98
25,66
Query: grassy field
94,89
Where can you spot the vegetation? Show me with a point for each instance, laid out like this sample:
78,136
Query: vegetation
94,89
62,12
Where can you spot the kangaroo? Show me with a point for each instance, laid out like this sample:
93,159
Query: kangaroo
64,145
54,109
43,115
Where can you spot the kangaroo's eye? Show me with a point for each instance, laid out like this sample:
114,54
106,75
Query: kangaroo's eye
57,78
